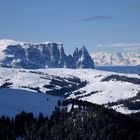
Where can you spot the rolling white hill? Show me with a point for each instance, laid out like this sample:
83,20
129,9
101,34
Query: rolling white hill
86,84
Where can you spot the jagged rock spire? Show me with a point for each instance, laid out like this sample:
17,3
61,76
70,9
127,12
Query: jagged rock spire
43,55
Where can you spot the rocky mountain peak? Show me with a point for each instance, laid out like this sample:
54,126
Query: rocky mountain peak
42,55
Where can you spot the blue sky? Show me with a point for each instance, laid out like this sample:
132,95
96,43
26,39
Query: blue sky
105,25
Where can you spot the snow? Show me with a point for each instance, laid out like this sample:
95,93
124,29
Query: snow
13,101
6,42
69,107
124,110
3,45
137,100
40,55
116,59
108,91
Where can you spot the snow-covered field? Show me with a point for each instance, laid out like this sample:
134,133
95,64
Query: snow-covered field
96,90
13,101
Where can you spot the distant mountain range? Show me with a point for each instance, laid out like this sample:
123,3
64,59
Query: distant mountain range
52,55
39,79
116,59
41,55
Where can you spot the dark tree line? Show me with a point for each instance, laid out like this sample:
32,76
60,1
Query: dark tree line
132,103
121,78
84,121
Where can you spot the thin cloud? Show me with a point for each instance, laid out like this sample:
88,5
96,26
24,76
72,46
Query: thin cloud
133,7
119,45
132,49
94,18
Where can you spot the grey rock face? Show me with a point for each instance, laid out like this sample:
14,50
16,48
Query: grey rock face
83,59
44,55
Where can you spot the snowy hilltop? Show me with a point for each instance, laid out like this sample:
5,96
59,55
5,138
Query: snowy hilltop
41,55
116,59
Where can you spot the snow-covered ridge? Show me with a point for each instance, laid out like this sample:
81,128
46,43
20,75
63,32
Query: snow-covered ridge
7,42
41,55
87,84
116,59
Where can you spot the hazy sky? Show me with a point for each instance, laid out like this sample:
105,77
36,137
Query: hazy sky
111,25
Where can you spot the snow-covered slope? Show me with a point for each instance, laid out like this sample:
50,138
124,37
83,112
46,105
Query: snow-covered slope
116,59
87,84
13,101
41,55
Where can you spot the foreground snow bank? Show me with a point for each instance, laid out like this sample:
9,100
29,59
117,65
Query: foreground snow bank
13,101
